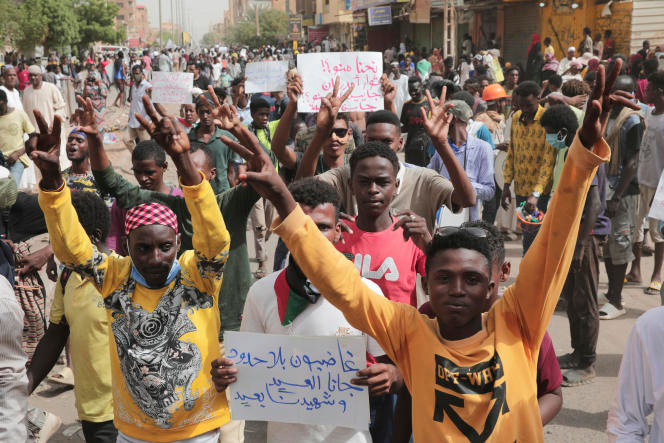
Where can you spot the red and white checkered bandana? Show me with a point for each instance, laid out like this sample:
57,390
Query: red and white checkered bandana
150,214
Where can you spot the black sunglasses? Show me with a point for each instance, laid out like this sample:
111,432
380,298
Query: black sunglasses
339,132
472,230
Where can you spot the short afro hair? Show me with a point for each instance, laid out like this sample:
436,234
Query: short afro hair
258,103
373,149
93,214
384,116
559,117
574,87
313,192
413,80
494,238
464,96
437,89
528,88
209,155
458,240
556,80
149,150
657,79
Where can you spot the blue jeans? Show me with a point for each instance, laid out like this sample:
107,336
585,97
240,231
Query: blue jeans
16,170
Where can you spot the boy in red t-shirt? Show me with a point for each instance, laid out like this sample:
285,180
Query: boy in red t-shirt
386,249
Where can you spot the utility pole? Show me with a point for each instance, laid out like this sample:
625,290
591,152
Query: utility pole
449,29
258,25
161,43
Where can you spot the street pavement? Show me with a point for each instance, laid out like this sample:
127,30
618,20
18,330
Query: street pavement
585,408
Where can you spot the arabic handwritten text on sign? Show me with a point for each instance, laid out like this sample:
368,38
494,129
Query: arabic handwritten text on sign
172,87
265,76
298,379
657,207
362,69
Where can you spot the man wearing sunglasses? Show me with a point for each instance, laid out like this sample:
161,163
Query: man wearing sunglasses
467,372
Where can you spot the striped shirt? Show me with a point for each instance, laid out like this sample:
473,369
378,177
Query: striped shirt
13,375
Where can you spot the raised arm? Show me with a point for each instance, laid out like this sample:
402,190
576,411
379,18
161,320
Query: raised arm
69,240
437,127
329,108
533,297
285,155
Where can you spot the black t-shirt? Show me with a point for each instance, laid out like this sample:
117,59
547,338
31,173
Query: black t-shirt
411,117
202,82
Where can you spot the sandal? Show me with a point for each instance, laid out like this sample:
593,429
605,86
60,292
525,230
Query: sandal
654,288
568,361
64,377
609,312
578,377
630,282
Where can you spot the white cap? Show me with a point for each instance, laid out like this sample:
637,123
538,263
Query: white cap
571,48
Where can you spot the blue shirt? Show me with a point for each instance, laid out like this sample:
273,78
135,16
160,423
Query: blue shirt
478,166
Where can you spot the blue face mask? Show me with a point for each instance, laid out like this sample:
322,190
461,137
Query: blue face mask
557,140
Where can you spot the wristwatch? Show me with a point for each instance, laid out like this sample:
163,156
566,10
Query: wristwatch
536,194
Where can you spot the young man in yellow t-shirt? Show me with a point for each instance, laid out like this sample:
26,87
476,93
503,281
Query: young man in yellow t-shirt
78,314
472,376
14,124
162,311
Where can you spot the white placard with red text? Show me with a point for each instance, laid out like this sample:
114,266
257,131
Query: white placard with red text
172,87
362,69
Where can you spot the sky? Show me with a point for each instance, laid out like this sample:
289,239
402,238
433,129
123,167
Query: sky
202,13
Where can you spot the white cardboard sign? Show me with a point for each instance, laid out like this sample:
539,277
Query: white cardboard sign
362,69
172,87
296,379
265,76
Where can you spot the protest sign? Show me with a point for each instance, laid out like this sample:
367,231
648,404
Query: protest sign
298,379
657,207
265,76
362,69
172,87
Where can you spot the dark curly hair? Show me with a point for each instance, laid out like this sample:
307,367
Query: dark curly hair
658,80
149,150
558,117
258,103
384,116
464,96
528,88
494,238
93,214
373,149
313,192
574,87
458,240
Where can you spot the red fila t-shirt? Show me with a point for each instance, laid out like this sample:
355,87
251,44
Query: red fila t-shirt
386,259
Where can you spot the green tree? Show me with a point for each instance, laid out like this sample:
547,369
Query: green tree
95,22
211,38
32,25
62,24
9,16
273,26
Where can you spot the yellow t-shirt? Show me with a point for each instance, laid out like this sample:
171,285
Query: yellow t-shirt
80,306
481,388
163,340
12,127
530,159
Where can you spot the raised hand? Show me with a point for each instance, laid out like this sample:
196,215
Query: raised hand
294,87
437,125
414,227
389,90
601,100
84,117
44,150
330,105
261,174
164,128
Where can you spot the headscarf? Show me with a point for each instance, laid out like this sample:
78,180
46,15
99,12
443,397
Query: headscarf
593,65
150,214
536,40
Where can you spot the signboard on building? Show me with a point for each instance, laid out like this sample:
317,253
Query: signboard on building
317,33
380,15
295,27
358,5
